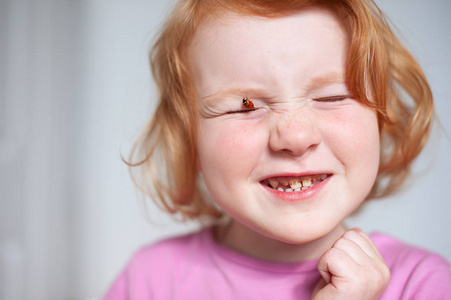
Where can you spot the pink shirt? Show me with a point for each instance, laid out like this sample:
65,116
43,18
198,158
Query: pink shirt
196,267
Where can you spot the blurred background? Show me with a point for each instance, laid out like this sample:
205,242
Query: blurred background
75,89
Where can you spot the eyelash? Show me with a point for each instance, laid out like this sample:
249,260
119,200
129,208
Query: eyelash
241,111
333,99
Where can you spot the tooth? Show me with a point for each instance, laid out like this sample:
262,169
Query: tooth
306,182
288,190
323,176
283,181
304,188
297,190
295,184
274,183
280,189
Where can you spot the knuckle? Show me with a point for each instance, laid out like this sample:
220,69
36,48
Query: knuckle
332,253
386,273
351,234
338,243
341,243
381,276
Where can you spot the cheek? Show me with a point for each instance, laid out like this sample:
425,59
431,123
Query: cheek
355,137
226,147
366,136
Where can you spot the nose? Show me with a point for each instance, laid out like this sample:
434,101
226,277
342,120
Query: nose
294,133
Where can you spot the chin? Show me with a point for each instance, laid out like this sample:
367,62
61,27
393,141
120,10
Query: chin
302,236
304,239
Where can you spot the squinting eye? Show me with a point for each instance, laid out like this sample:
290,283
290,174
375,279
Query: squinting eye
333,99
241,111
246,103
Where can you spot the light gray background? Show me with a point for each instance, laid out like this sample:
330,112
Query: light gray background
75,90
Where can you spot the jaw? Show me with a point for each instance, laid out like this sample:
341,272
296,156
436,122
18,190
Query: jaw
295,249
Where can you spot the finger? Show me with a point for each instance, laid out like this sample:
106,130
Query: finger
336,264
353,249
364,242
371,243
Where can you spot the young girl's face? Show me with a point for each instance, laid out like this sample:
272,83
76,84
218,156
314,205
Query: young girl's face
306,127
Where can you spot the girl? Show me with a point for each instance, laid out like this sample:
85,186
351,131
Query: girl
290,114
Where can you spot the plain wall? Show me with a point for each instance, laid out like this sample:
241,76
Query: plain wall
75,90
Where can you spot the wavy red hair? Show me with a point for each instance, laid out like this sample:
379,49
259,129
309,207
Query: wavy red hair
381,73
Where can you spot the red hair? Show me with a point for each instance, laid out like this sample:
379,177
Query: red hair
381,73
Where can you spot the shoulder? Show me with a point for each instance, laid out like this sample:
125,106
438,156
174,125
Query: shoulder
171,251
415,272
154,270
396,252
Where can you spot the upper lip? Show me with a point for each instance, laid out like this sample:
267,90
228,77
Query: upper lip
295,174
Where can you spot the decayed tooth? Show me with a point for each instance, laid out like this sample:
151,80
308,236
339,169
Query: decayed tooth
294,184
283,181
315,178
306,182
323,176
274,183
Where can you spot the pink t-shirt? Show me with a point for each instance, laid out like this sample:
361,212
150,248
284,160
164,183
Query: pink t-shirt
196,267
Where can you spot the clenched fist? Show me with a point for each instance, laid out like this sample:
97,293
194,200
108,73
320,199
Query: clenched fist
352,269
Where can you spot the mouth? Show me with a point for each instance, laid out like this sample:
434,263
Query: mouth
294,184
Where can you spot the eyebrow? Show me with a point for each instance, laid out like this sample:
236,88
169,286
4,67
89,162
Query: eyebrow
326,79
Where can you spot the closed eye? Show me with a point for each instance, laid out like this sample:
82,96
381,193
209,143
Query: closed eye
241,111
333,98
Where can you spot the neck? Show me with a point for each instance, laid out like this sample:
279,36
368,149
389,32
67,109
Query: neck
252,243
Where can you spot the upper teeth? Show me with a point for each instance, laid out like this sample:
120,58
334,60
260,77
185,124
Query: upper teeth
287,184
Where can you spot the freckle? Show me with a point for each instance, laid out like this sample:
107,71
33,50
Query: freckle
286,119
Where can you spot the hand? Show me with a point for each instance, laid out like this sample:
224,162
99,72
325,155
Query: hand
352,269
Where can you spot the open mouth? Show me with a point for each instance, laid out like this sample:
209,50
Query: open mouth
294,184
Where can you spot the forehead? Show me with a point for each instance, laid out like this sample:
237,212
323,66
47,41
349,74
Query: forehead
251,50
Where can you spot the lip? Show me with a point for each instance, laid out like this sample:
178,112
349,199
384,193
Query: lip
298,196
296,174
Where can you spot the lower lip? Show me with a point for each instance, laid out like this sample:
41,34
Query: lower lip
302,195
